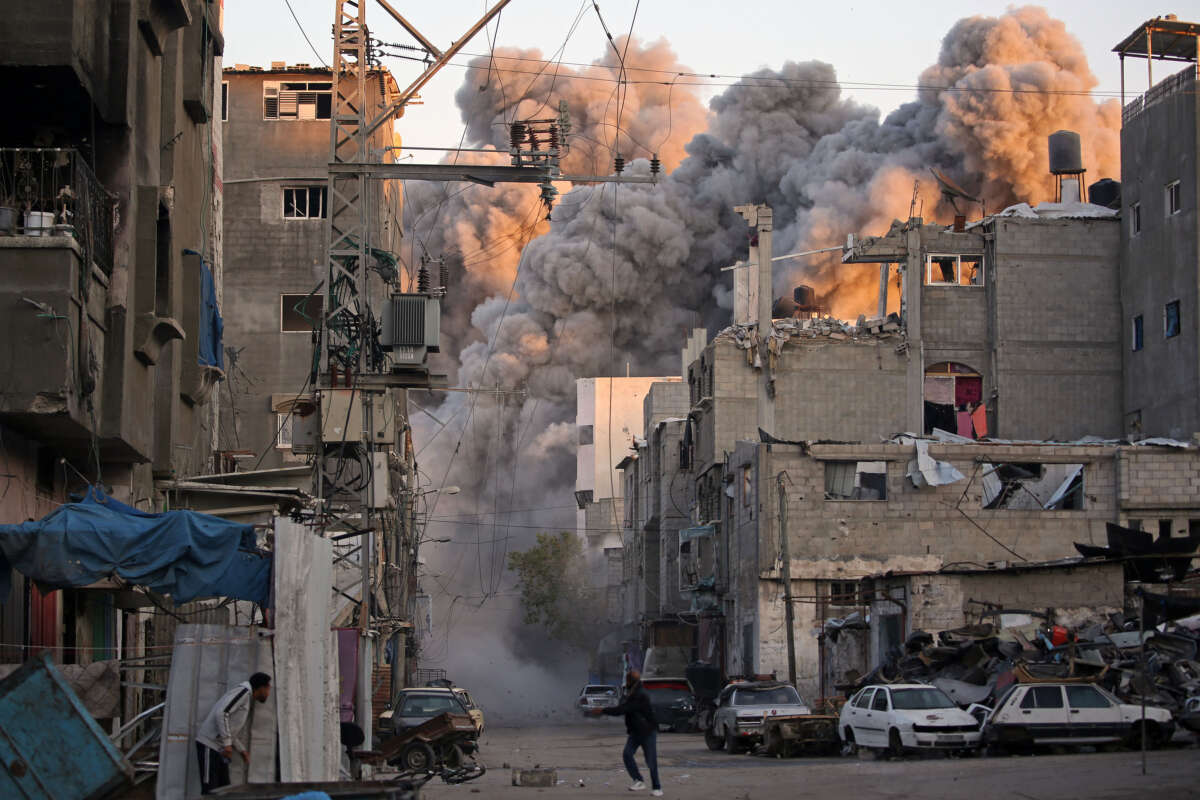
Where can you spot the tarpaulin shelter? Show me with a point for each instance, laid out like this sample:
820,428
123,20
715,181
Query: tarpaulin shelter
184,554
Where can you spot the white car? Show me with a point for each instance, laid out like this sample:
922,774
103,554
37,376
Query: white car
597,695
737,724
1071,713
901,717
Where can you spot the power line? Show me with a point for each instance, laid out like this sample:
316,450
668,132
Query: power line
304,34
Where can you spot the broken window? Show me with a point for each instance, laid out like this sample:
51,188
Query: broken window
954,400
1173,200
856,480
1137,333
1032,486
297,100
1171,319
304,202
697,557
953,270
300,313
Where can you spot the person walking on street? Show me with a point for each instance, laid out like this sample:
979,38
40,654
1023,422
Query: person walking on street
218,733
642,730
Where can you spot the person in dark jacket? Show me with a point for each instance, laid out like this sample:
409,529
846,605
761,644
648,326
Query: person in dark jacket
642,730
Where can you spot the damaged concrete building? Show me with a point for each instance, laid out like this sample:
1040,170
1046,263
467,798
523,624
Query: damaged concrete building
1003,414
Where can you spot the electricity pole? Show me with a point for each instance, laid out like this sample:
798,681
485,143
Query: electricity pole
786,572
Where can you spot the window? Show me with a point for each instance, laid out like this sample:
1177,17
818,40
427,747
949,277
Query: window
1135,219
856,480
283,424
1138,332
586,434
880,703
1086,697
224,101
845,593
300,313
864,698
422,705
954,400
1171,319
953,270
1032,487
297,100
747,484
1173,199
1042,697
304,202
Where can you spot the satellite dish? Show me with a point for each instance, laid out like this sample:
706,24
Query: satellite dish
951,190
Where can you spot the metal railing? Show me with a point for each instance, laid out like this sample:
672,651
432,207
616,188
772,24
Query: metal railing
51,191
1180,82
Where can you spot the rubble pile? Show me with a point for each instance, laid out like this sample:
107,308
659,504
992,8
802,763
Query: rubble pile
976,663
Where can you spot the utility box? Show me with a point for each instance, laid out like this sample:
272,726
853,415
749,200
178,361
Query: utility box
341,416
380,480
411,329
383,419
305,433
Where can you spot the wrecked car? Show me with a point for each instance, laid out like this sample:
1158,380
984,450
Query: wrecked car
1071,714
597,695
673,702
900,718
737,724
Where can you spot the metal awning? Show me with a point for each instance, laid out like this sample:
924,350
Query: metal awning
1163,38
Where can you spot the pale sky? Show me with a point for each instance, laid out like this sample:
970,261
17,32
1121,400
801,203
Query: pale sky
865,40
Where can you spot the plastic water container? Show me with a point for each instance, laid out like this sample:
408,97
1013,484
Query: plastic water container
38,223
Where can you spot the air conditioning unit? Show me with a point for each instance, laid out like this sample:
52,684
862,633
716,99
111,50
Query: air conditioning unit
411,328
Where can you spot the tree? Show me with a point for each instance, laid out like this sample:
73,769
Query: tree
552,579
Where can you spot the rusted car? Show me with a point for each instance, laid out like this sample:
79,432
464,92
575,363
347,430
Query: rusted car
790,735
445,746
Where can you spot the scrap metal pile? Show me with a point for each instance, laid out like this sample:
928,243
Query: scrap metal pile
976,663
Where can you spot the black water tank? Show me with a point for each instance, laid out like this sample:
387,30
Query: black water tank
804,295
1105,192
1066,155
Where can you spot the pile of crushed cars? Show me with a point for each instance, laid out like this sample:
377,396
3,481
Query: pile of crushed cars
976,663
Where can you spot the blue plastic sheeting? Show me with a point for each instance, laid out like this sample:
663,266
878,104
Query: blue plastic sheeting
308,796
183,554
211,325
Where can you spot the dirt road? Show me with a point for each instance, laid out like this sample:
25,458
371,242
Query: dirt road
590,751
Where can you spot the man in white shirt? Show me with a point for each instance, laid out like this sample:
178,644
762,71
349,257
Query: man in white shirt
218,733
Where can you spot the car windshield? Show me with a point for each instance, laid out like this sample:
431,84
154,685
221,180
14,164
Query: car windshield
667,693
605,690
416,705
917,699
775,696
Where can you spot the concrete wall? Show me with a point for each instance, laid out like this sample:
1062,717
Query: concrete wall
1161,263
613,407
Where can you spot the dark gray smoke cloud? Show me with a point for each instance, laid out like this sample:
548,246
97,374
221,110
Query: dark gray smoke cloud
622,273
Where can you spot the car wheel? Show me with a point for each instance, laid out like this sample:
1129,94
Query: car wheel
731,744
713,740
417,757
850,748
895,747
1150,731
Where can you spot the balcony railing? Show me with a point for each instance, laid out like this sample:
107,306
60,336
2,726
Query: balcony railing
1180,82
51,191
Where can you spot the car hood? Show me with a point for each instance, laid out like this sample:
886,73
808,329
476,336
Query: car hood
772,711
935,716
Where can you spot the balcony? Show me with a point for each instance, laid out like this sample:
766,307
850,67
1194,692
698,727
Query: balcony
1183,82
56,256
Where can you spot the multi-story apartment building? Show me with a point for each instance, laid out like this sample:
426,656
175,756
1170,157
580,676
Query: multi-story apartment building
110,244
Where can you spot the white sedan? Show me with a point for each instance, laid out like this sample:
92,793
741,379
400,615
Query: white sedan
909,716
1072,714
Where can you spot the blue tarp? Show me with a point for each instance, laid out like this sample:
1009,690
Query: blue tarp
183,554
211,326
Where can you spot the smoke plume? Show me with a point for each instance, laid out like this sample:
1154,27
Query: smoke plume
624,271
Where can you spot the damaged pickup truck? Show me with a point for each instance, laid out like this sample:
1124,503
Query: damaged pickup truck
767,712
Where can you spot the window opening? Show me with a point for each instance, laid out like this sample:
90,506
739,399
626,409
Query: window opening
586,434
953,270
954,400
283,424
224,101
1032,486
1135,219
1086,697
300,313
297,100
845,593
1173,198
1171,319
304,202
1138,333
856,480
162,264
880,703
1042,697
747,485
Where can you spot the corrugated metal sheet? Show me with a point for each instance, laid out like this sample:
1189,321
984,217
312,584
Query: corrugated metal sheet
306,663
50,747
207,661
